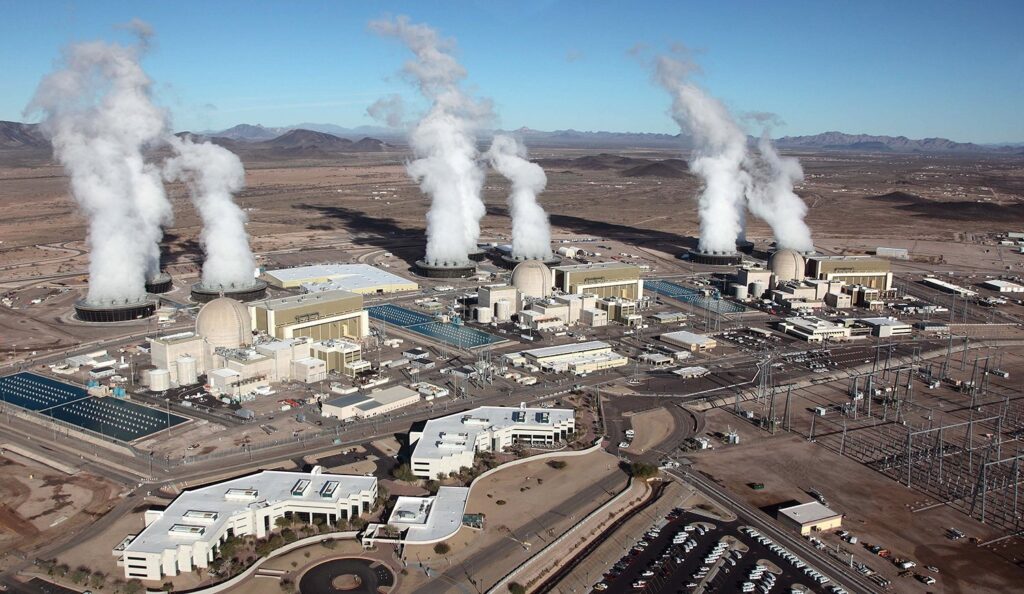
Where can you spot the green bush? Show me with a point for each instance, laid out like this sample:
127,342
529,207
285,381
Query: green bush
516,588
557,464
442,548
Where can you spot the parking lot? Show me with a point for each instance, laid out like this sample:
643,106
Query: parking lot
685,552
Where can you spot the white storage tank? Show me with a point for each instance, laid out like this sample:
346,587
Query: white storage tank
484,315
739,291
159,380
503,310
187,374
757,289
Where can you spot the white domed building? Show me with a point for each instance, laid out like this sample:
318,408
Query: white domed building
787,265
224,322
533,279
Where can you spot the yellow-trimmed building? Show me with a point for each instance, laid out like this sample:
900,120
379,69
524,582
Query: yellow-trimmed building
607,279
320,316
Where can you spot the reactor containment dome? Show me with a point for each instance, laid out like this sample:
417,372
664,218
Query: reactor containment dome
532,278
224,322
787,265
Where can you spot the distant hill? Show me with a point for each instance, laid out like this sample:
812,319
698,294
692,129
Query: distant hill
17,135
868,143
249,133
657,169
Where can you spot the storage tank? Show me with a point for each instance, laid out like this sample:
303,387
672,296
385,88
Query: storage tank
757,289
159,380
739,291
484,315
503,309
187,374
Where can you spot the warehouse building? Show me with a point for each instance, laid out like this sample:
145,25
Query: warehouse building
186,535
577,358
689,341
853,270
447,444
1003,286
364,406
810,517
891,252
608,279
945,287
356,278
321,316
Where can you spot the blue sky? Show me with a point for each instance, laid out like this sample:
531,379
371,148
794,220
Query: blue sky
951,69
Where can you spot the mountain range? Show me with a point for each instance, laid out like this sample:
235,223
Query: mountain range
311,139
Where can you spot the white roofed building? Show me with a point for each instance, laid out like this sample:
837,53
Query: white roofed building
186,534
355,278
447,444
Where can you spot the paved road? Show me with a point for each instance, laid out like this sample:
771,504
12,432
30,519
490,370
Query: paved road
534,532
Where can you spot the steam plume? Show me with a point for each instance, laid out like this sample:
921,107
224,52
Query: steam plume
531,232
718,156
771,196
99,114
213,174
444,142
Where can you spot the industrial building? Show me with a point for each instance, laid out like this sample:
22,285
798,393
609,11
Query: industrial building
364,406
577,358
321,316
182,354
814,329
1003,286
341,356
810,517
186,534
355,278
890,252
447,444
852,270
689,341
945,287
887,327
501,301
608,279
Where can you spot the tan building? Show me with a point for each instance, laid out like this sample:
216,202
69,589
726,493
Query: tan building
689,341
320,316
576,304
853,270
810,517
362,406
618,309
167,351
489,296
608,279
341,356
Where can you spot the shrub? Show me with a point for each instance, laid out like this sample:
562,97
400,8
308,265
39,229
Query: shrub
557,464
442,548
403,472
643,471
516,588
501,502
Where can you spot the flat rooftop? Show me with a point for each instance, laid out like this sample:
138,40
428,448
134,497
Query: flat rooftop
458,432
428,519
595,266
211,506
567,349
685,337
283,303
808,513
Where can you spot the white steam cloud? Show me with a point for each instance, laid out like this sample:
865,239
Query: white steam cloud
444,142
721,147
730,173
99,114
531,231
213,175
771,196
